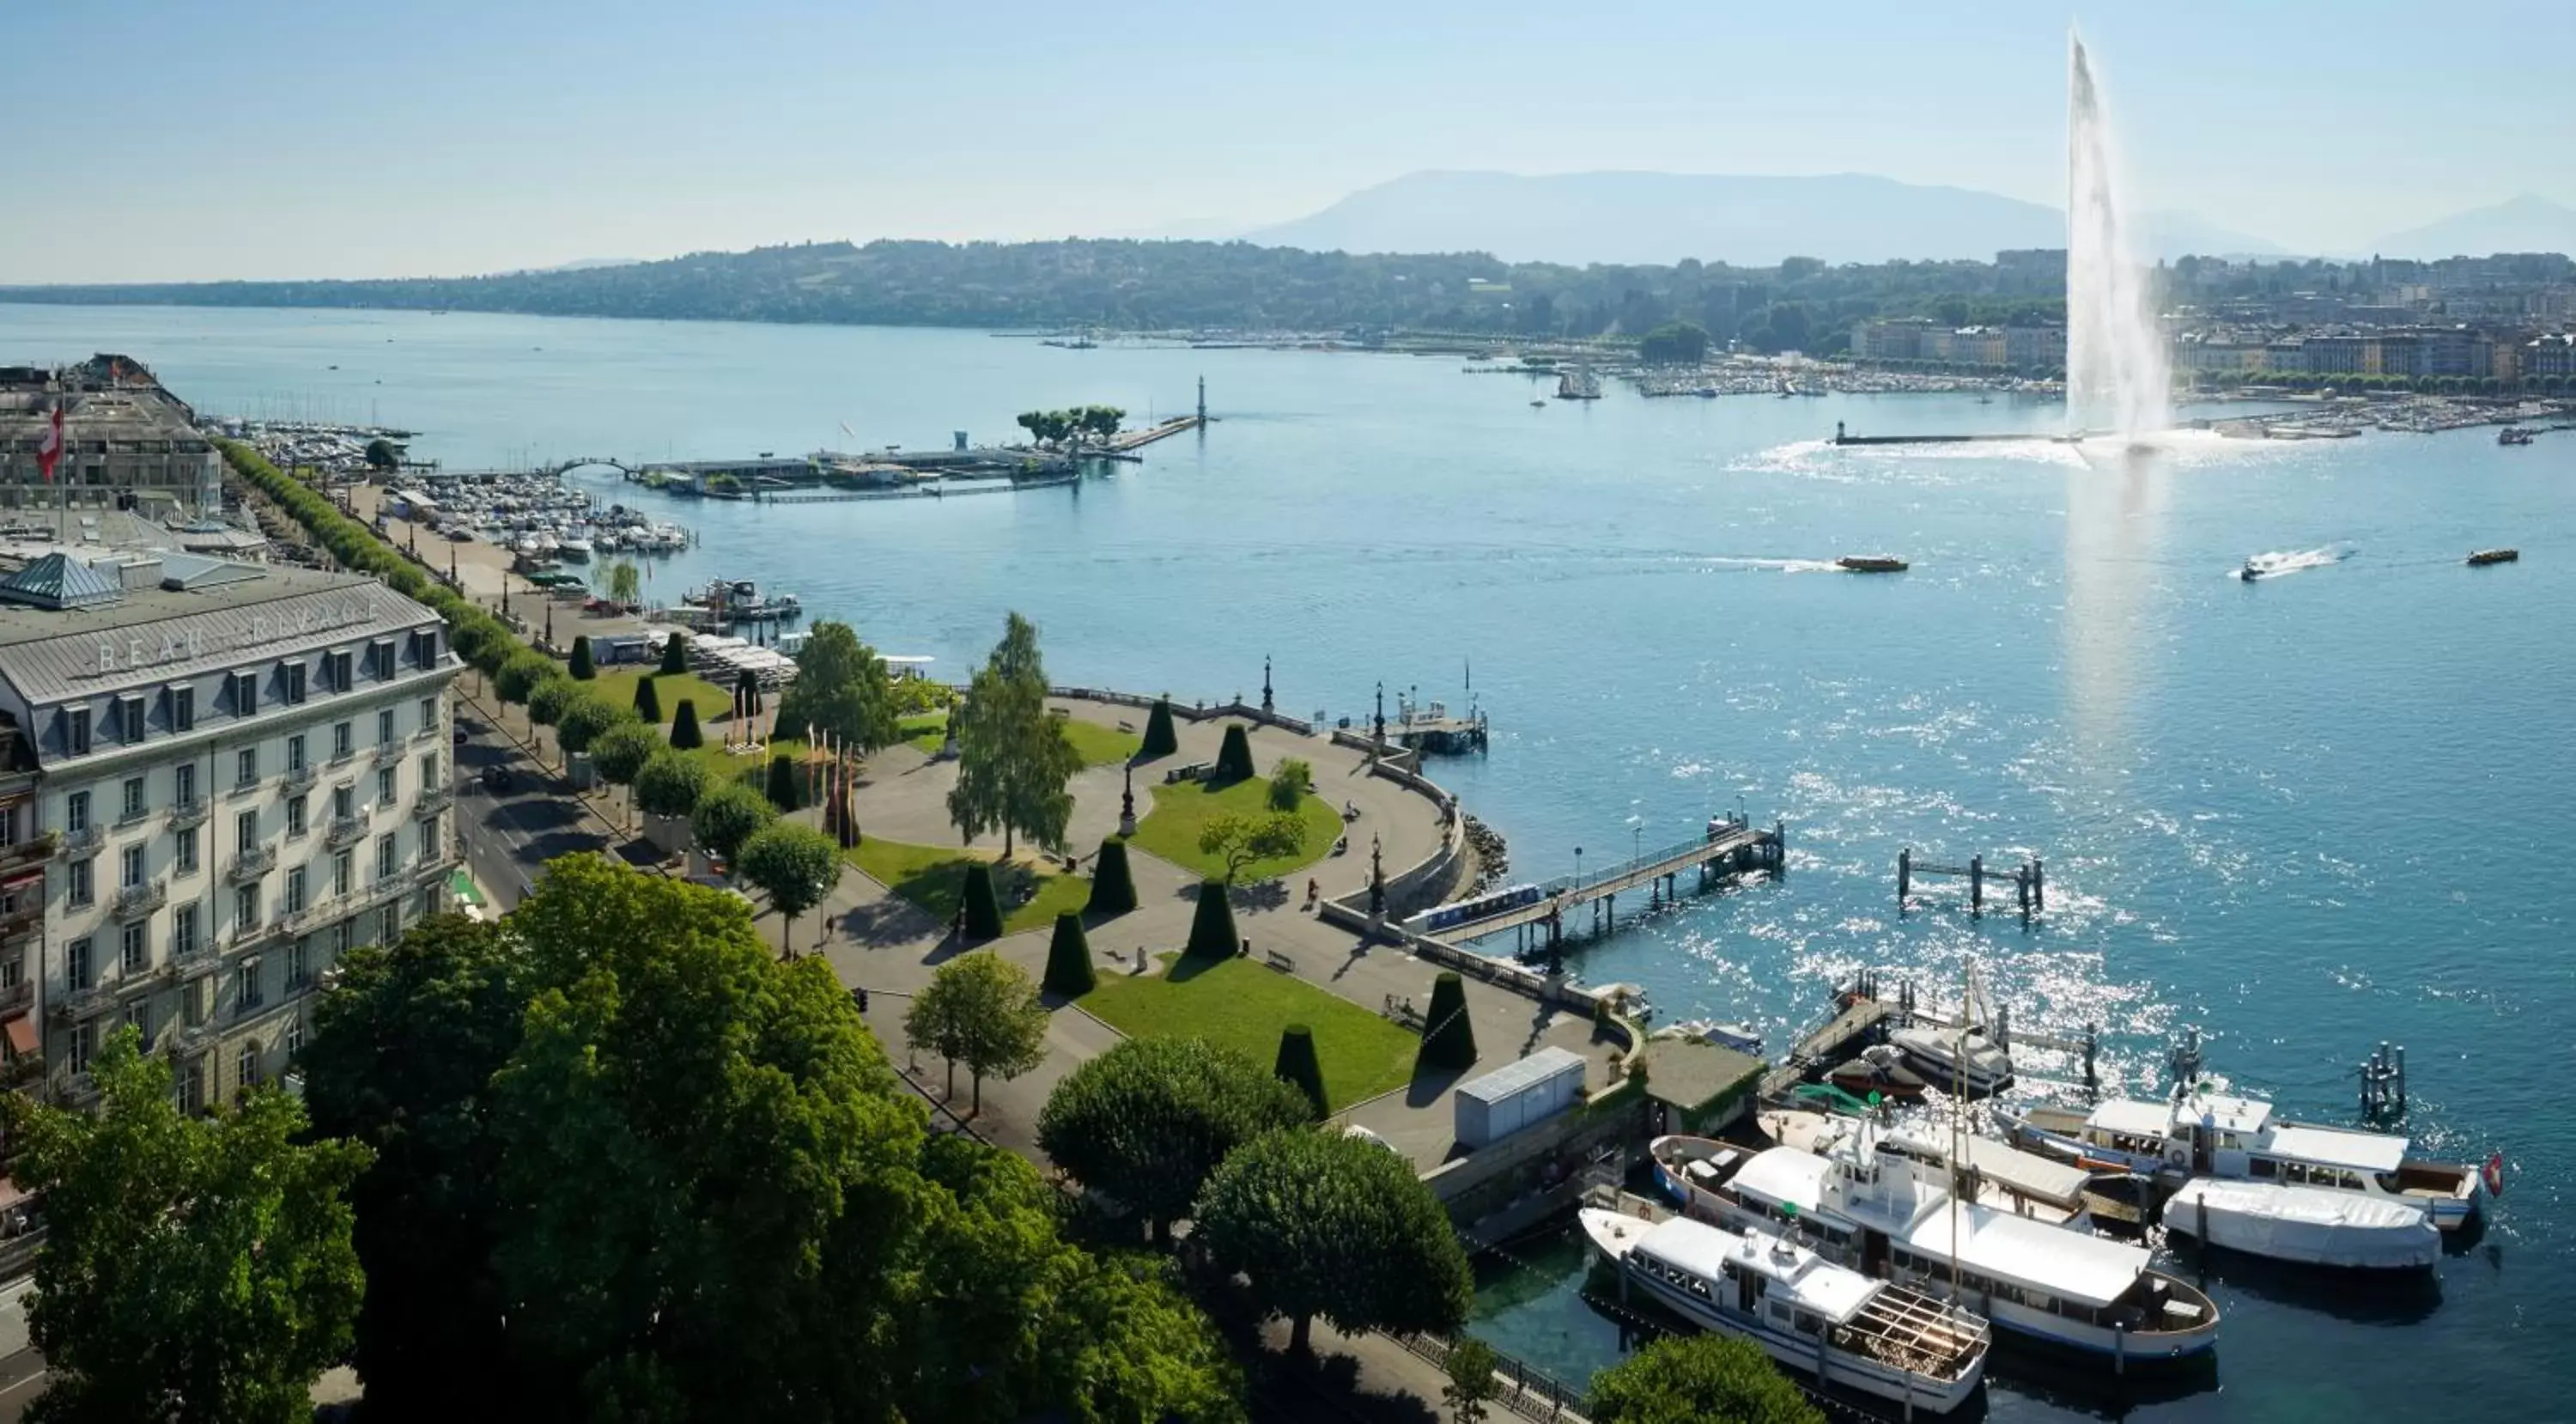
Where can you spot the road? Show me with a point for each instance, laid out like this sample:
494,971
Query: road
22,1370
510,835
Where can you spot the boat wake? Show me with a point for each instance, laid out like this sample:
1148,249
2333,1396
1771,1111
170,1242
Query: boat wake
2282,562
1786,566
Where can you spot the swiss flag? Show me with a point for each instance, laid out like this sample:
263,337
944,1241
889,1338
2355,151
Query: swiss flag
50,448
2493,1172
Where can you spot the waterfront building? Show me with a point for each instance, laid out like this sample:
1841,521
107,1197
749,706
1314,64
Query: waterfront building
224,776
129,443
2551,355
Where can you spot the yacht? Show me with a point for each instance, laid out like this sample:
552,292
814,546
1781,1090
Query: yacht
2005,1177
2305,1225
2208,1134
1743,1038
1973,1058
1813,1316
574,548
1883,1214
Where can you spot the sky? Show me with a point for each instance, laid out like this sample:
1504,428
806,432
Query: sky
161,140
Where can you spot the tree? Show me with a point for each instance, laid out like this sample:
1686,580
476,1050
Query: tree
1233,757
547,700
382,455
1448,1035
980,910
401,1058
980,1010
728,816
1471,1380
1068,968
795,865
675,654
783,783
1683,1379
1147,1122
1113,884
522,673
841,689
619,754
1161,740
583,670
684,727
1289,783
625,583
1212,927
648,701
584,720
1013,759
1241,840
1298,1067
670,784
193,1268
1674,343
1331,1225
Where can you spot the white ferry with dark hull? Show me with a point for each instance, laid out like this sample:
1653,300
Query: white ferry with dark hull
1810,1314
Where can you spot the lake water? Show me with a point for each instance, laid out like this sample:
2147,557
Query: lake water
2306,815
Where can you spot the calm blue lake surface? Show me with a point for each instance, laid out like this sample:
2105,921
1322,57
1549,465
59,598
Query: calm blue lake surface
2306,815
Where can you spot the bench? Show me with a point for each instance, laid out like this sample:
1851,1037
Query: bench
1279,961
1191,772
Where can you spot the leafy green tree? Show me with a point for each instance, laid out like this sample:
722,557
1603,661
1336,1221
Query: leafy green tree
684,727
1113,883
625,583
1298,1067
675,654
1289,783
1471,1380
842,689
583,670
1068,968
1674,343
1337,1226
584,720
795,865
1161,739
670,784
648,701
382,455
1684,1379
193,1268
1212,926
620,754
729,815
784,783
1013,760
1233,757
1241,840
522,674
1147,1122
983,1011
402,1054
1448,1035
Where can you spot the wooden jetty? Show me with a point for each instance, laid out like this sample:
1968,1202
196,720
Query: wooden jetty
1841,437
1730,845
2029,881
1862,1016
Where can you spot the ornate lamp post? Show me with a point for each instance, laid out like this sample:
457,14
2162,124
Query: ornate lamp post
1127,804
1377,879
1377,747
1265,682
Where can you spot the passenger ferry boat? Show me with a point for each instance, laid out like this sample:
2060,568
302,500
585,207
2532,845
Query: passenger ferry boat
1875,1212
2205,1134
2044,1189
1806,1312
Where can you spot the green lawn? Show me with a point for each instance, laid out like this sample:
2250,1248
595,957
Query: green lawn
714,703
1099,745
933,877
1182,810
751,771
928,731
1243,1004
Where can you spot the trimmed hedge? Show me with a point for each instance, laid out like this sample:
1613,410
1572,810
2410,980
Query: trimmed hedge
583,670
1449,1038
648,701
675,654
684,727
1068,966
983,908
1298,1067
1212,933
1113,885
1161,739
1233,757
784,783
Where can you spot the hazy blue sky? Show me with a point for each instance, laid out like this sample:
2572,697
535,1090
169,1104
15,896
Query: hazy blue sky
182,139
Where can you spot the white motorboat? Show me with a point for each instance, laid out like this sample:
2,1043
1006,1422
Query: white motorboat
2007,1178
1885,1215
575,549
2305,1225
1743,1038
1956,1059
2208,1134
1810,1314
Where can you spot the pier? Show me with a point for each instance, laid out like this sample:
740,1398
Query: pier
1862,1015
1841,437
2029,881
1731,845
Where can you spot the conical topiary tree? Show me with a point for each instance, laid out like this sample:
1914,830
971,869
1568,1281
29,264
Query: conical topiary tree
746,690
1113,886
1233,757
675,654
583,670
983,907
1448,1038
1160,738
1212,928
1069,970
782,786
1298,1067
648,702
684,727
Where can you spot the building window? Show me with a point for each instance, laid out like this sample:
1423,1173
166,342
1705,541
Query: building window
246,1065
246,992
76,731
386,855
129,718
245,694
343,741
246,767
76,813
384,651
384,725
129,867
338,664
132,810
183,784
183,855
84,1043
296,974
292,676
246,908
295,752
183,709
429,772
192,1086
77,966
344,801
295,811
183,931
428,712
246,831
9,827
294,1035
342,872
343,933
135,952
429,842
385,786
393,921
295,891
83,893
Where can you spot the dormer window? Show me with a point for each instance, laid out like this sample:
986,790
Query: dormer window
76,731
291,676
129,718
380,658
335,672
245,694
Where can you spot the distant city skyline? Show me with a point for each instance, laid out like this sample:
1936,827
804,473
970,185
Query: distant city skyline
284,139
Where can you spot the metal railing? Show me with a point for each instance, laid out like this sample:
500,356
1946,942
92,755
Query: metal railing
345,831
29,851
18,995
87,1003
252,862
302,778
1524,1390
428,733
196,960
344,756
136,901
189,1038
192,812
87,838
392,751
436,798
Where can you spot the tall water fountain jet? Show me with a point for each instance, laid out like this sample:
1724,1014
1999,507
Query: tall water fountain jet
2117,375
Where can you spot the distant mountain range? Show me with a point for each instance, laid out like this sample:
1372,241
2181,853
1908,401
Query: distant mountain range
1657,218
2527,223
